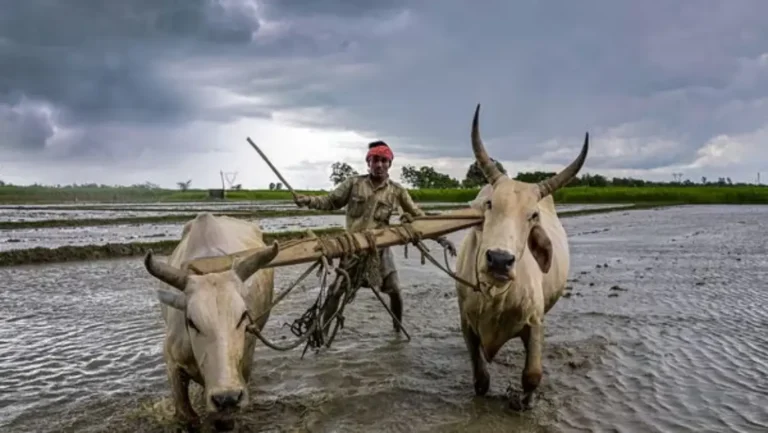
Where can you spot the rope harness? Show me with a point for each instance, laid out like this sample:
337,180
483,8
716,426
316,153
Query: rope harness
358,266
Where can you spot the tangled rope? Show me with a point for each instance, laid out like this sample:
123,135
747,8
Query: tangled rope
358,266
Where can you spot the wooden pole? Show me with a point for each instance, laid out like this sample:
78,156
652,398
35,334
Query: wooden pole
309,251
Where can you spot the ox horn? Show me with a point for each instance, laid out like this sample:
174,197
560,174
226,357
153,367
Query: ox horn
559,180
165,272
491,172
249,265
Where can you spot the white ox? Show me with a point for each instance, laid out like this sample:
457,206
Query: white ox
206,315
521,255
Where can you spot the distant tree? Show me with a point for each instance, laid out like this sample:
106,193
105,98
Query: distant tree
341,171
534,176
271,186
278,186
475,177
427,178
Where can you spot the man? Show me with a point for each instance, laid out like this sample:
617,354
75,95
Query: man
371,199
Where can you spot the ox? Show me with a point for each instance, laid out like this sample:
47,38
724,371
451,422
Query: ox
206,316
520,256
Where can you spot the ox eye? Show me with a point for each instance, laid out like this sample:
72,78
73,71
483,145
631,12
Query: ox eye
242,319
488,205
191,324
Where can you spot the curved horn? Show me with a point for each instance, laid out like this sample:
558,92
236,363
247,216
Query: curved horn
249,265
165,272
561,179
491,172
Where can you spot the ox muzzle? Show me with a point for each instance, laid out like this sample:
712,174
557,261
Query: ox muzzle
499,262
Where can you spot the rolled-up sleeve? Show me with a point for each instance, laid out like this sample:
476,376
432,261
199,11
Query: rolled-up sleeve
407,203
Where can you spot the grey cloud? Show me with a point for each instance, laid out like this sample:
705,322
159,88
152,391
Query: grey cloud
26,126
665,75
544,72
340,8
99,64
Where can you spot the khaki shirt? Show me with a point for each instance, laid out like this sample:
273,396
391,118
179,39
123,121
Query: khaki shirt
368,207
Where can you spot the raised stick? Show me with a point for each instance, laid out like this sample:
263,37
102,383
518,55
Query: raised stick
279,176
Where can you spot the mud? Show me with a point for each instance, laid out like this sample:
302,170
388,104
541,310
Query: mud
681,348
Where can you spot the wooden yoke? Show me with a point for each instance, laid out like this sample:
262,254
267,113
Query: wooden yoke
312,249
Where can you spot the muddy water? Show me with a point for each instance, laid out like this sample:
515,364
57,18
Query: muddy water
669,336
35,212
52,237
121,233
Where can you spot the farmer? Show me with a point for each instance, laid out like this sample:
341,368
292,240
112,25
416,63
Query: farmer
371,200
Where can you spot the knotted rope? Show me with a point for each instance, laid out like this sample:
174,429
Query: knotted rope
358,265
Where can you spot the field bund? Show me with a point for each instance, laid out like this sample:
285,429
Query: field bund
37,234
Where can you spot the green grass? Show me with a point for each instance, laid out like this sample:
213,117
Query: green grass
742,194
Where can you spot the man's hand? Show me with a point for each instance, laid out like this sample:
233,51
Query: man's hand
445,243
301,200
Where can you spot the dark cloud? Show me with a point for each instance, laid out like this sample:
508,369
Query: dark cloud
652,81
338,8
96,64
26,127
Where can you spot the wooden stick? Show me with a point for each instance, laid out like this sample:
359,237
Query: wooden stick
308,251
279,176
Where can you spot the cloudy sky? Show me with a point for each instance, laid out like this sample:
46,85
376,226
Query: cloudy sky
164,91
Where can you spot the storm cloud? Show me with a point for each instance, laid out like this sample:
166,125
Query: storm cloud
661,86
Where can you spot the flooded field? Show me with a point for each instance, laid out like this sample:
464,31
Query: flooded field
664,330
36,212
52,237
121,233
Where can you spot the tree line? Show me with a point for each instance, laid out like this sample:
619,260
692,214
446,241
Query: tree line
426,177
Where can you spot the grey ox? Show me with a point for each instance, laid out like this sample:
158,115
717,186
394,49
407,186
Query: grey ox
206,315
519,259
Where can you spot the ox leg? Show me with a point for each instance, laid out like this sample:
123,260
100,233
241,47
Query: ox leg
532,337
391,287
180,390
479,370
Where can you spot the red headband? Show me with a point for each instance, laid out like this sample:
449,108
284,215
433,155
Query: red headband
383,151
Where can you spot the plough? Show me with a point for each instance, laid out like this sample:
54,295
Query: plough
356,252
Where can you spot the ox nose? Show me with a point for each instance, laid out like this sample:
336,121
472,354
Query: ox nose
499,261
227,399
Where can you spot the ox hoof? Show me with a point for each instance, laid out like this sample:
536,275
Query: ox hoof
482,383
523,403
188,427
224,424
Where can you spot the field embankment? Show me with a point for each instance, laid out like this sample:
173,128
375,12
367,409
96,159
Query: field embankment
67,253
697,194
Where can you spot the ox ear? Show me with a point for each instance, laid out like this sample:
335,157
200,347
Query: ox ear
541,247
174,299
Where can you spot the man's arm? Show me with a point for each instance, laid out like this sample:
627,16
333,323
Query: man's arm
334,200
410,208
407,204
